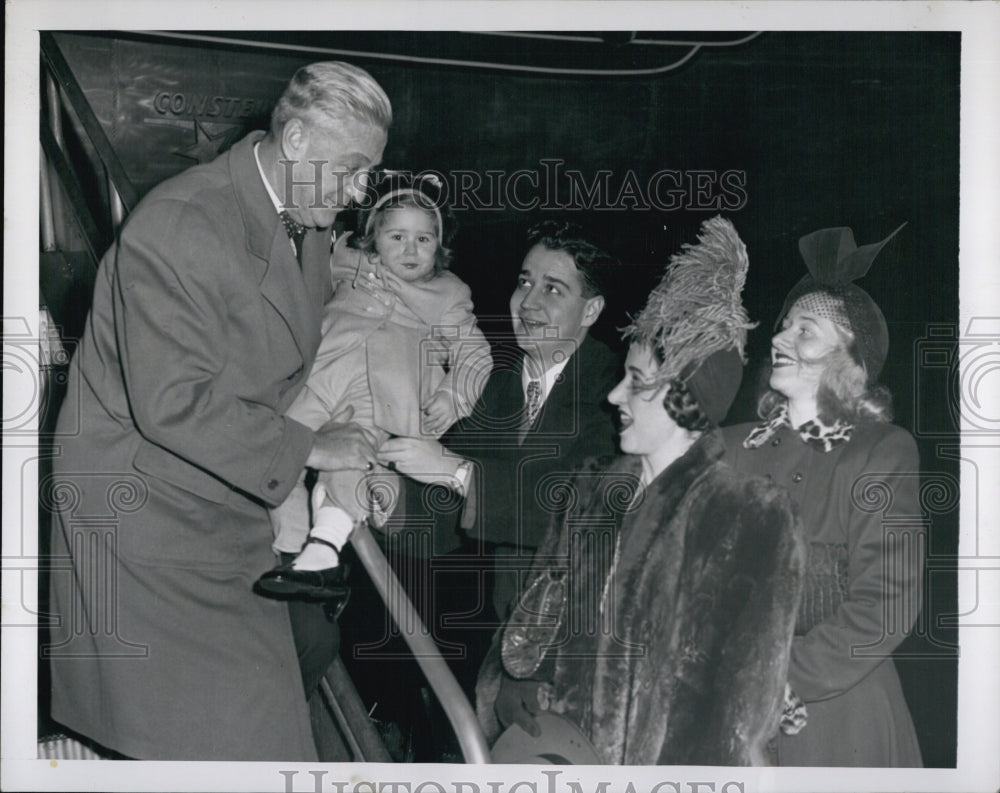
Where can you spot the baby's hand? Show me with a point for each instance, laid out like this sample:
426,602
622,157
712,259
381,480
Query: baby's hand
438,413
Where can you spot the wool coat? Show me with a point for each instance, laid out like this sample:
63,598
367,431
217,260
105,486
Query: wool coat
862,519
171,443
676,614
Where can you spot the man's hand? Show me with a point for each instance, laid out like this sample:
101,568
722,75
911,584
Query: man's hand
517,703
339,444
420,459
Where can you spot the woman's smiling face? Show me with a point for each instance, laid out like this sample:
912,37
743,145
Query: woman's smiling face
801,350
646,427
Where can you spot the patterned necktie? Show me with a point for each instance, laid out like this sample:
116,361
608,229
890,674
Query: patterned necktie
296,233
532,403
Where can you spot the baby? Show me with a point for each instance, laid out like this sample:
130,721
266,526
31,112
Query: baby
402,349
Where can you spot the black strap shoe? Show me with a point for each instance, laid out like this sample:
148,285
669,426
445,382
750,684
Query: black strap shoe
328,585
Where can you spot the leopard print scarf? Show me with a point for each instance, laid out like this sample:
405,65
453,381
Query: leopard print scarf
820,436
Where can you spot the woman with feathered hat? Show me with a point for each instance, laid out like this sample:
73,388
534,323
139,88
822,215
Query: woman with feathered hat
854,477
656,623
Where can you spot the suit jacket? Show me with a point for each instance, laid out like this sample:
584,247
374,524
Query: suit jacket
518,485
172,441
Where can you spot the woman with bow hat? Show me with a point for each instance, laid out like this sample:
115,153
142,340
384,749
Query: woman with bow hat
854,477
656,623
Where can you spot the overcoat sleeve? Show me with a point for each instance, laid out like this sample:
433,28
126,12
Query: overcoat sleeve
885,561
170,297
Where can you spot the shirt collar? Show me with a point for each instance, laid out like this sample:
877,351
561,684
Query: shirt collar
267,184
820,436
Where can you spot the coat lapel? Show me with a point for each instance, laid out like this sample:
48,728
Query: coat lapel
557,412
284,288
560,410
282,283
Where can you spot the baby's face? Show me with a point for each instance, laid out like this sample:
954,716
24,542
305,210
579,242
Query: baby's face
406,243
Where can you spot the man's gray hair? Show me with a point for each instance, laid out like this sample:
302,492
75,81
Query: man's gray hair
331,92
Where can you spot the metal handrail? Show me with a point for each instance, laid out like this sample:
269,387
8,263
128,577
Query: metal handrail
71,187
425,651
77,101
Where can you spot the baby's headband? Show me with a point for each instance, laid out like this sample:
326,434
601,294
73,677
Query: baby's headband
422,199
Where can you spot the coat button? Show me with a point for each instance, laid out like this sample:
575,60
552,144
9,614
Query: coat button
796,477
272,484
776,442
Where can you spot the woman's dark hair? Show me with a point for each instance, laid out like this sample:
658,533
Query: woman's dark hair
843,393
681,404
592,261
684,409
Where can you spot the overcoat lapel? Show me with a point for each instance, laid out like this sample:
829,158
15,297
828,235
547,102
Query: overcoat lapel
281,282
285,289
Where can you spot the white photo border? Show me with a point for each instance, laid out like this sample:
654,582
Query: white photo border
979,684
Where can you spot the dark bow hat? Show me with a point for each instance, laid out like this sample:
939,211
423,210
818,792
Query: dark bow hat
834,261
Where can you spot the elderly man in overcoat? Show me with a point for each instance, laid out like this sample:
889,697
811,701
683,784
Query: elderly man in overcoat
172,441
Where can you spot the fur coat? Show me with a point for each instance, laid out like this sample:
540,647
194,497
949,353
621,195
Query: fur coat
662,619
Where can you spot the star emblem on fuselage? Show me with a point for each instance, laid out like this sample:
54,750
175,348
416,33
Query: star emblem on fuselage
206,146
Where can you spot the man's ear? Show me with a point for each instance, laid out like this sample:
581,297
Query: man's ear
294,138
592,310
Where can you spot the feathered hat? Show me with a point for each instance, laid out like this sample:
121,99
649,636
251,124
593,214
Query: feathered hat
694,320
834,261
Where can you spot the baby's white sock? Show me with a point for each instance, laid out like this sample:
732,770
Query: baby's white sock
330,523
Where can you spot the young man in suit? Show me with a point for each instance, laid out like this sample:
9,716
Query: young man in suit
542,412
172,439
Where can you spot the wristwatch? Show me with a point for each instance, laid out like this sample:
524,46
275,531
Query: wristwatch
461,477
